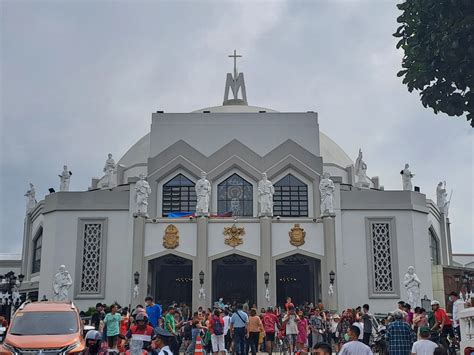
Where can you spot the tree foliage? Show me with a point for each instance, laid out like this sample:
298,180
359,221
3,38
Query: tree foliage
438,39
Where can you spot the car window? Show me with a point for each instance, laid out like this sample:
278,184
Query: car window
44,323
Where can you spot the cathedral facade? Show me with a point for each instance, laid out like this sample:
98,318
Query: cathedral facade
358,253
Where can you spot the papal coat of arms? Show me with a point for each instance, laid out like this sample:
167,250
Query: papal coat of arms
171,237
297,235
234,235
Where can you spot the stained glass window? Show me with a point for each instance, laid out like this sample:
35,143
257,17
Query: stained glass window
235,195
37,251
434,247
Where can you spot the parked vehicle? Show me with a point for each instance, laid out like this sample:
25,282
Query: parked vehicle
46,328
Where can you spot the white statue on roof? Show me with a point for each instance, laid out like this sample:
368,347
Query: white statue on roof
361,171
265,192
203,193
442,198
406,178
110,171
65,178
31,194
327,188
142,191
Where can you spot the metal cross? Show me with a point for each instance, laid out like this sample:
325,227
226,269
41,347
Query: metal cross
235,56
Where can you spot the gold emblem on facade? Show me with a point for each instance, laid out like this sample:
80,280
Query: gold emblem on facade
234,235
297,235
171,237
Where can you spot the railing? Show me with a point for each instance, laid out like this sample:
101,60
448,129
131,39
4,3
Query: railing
466,324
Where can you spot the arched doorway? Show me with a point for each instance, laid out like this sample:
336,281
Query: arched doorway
171,279
234,278
299,277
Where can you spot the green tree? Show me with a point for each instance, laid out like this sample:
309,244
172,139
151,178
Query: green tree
438,39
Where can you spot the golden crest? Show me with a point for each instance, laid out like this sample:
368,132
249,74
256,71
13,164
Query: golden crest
171,237
234,235
297,235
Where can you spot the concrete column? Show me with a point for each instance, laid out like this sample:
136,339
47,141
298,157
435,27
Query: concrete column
448,234
202,264
25,270
265,264
329,226
138,261
444,241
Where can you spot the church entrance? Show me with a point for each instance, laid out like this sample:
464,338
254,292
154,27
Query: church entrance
234,278
299,277
171,279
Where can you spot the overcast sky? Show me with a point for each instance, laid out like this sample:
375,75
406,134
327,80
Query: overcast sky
81,79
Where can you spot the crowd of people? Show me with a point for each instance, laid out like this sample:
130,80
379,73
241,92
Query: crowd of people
242,329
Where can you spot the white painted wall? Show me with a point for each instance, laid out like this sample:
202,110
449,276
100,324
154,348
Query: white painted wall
209,132
336,171
314,240
216,238
60,244
412,249
154,233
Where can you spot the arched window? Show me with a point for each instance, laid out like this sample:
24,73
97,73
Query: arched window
235,195
290,198
178,195
37,242
434,247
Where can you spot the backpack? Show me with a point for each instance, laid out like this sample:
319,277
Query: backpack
218,329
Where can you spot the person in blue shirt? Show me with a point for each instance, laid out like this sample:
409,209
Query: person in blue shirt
153,310
238,325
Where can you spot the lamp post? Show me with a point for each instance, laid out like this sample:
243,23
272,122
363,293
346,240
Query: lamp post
9,286
332,277
201,278
266,278
136,277
136,280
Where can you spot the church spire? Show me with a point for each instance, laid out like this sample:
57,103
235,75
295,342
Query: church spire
235,83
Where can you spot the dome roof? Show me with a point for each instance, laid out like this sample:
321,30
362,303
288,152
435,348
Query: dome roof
331,152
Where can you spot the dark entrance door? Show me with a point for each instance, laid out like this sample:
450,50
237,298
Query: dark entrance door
298,277
172,279
234,278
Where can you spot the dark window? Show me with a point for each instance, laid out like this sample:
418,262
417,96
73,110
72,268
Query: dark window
37,251
179,195
434,247
44,323
235,195
290,198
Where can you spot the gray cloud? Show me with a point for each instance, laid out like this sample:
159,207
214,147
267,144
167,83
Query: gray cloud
80,79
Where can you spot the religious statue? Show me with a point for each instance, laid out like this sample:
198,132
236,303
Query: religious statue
142,191
406,178
65,178
31,194
203,193
361,171
326,187
109,170
331,290
412,284
267,294
265,196
202,294
61,284
136,291
442,198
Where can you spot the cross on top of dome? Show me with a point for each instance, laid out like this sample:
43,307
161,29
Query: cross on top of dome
235,83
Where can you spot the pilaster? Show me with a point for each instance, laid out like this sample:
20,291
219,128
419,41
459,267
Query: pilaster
329,227
264,264
202,264
138,261
25,270
444,240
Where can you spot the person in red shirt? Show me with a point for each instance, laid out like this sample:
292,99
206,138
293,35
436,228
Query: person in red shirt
270,320
141,331
289,304
442,321
216,327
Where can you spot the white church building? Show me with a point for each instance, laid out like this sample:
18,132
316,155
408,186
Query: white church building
358,255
